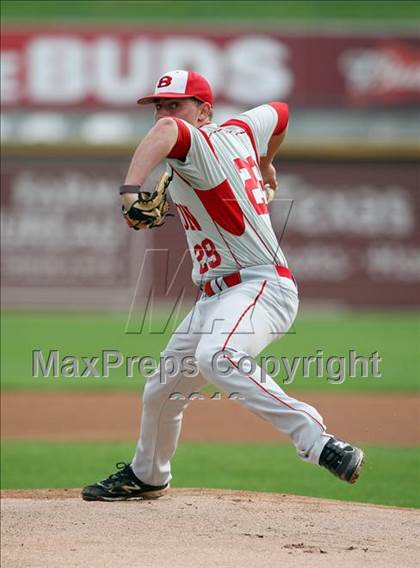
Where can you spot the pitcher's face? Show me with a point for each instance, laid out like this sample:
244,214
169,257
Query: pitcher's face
190,110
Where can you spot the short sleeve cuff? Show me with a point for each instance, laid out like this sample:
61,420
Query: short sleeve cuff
183,142
282,111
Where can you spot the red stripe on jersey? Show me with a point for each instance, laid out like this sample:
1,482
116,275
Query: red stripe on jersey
273,254
247,128
282,111
183,142
209,142
221,204
238,264
181,176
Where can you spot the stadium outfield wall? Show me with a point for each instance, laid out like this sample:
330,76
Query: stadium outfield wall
349,226
348,208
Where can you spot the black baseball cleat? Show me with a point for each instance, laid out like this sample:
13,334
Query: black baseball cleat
342,460
121,486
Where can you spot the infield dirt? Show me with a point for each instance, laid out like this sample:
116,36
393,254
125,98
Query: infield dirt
192,528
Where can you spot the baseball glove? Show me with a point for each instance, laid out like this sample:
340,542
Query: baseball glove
149,209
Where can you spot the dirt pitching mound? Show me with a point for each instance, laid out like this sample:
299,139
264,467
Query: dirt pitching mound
190,527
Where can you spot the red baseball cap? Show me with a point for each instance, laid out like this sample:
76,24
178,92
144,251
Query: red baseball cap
180,84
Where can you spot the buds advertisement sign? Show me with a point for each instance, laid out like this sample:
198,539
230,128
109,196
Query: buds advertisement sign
75,67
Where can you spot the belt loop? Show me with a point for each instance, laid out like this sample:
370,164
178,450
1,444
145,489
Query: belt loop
232,279
207,289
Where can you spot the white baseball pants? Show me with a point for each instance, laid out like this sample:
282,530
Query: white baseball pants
242,321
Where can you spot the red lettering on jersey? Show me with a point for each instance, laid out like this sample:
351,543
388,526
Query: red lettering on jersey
221,204
206,255
164,81
189,222
199,256
251,176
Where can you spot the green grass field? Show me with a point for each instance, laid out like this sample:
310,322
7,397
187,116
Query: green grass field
391,474
394,335
137,12
390,477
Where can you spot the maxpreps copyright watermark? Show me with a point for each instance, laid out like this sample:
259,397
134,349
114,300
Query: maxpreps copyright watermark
334,368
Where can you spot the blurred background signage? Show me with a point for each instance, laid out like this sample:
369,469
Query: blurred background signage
83,67
348,172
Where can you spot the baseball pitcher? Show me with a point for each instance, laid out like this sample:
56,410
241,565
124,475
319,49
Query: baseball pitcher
221,178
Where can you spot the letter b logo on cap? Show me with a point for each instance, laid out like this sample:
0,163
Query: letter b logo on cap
164,81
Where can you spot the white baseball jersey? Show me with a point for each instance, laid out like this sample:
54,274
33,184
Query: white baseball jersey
219,192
